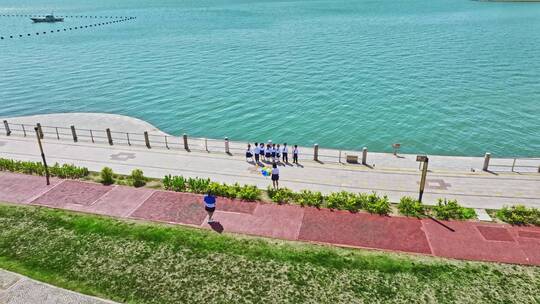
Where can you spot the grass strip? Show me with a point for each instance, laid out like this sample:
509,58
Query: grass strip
137,262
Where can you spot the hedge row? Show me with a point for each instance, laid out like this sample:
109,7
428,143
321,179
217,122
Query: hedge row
37,168
342,200
519,215
204,185
371,203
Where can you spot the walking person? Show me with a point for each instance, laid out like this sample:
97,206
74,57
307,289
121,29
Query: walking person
256,152
275,176
295,155
278,153
210,206
249,153
285,153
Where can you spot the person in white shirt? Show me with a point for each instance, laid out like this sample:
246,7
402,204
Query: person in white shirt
275,176
278,153
256,153
295,155
285,153
249,153
261,152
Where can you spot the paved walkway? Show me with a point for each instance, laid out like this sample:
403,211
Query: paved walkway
18,289
478,190
469,240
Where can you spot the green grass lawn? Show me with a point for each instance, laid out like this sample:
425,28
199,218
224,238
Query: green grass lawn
151,263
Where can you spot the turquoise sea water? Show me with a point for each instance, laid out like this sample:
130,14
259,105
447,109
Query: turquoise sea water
453,77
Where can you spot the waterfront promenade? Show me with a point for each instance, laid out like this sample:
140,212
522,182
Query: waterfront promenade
458,178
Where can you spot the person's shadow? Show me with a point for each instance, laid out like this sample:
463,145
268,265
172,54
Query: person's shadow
216,226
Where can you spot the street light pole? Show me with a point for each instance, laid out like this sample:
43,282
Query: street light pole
424,159
42,155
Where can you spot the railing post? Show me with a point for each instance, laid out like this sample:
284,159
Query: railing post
227,145
127,137
109,136
40,130
185,141
206,144
57,135
166,142
316,152
513,164
8,131
146,139
364,156
487,157
23,130
91,135
339,157
74,133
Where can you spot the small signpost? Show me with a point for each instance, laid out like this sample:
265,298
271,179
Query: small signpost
42,155
423,159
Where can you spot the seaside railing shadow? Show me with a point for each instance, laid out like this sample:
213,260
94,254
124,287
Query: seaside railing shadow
224,146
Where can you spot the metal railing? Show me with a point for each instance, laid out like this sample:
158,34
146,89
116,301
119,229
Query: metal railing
520,165
186,143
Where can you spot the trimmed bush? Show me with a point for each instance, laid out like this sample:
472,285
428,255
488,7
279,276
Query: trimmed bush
377,205
450,209
137,178
198,185
411,207
37,168
174,183
249,193
107,176
519,215
281,195
310,198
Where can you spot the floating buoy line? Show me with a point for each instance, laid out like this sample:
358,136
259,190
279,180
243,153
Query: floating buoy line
111,20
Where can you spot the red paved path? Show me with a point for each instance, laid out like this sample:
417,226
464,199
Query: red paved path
470,240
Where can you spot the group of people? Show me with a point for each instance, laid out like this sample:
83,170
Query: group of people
274,153
271,153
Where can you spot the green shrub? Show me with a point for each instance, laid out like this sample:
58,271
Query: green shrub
249,193
337,200
198,185
174,183
137,178
411,207
281,195
376,204
107,176
37,168
450,209
519,215
309,198
217,189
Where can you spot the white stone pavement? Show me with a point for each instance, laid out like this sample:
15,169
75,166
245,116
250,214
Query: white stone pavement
449,177
18,289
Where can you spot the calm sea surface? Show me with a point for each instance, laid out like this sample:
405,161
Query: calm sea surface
453,77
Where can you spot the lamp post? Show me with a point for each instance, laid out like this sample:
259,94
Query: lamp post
42,155
424,160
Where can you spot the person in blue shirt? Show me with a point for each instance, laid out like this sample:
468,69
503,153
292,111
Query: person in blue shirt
210,206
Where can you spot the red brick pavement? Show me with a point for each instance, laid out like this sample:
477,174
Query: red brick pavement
469,240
